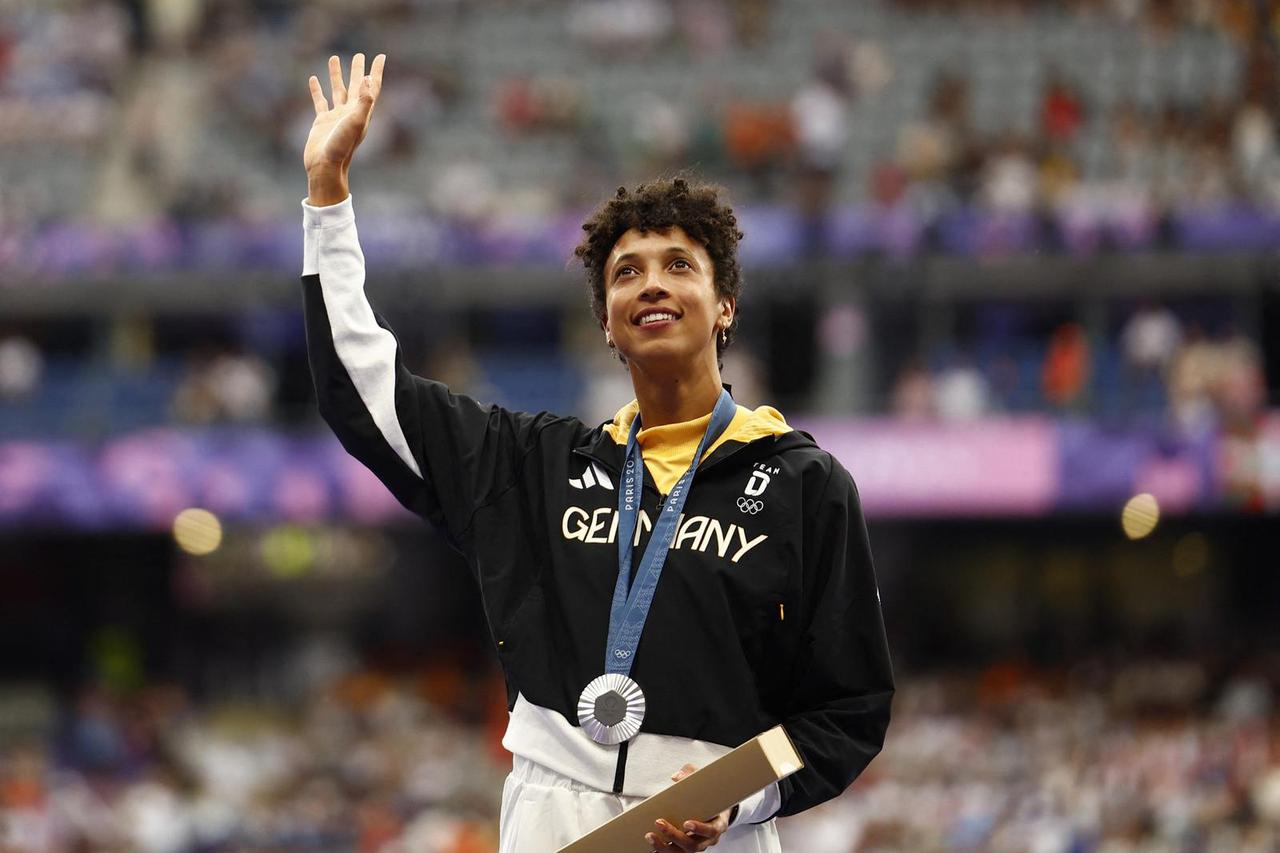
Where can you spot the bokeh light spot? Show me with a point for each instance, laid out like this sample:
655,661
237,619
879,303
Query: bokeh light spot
197,531
1140,515
288,551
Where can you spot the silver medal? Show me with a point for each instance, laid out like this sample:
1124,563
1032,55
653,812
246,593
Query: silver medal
611,708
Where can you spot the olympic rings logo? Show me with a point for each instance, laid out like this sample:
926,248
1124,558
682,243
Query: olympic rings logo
622,654
750,505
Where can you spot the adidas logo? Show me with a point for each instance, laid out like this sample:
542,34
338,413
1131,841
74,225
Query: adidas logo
593,476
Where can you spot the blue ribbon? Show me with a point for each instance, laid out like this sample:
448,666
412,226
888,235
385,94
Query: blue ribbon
629,611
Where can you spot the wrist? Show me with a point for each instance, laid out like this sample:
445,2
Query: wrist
326,187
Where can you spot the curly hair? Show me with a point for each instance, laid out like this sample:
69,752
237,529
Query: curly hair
659,206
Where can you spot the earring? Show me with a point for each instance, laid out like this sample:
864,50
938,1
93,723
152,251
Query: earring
608,339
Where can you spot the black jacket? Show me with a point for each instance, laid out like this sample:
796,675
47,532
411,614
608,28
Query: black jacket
767,611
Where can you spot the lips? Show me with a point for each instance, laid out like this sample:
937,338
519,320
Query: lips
655,316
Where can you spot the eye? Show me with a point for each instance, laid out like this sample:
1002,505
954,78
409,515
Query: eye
687,265
623,270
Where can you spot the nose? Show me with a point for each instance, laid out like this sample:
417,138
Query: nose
654,288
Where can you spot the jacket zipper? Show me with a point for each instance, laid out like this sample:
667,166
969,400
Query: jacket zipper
621,764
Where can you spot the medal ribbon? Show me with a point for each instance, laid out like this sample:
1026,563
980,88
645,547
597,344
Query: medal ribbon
630,609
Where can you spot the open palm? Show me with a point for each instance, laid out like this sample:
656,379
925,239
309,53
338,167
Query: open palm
339,129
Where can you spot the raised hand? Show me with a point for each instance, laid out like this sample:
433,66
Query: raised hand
338,129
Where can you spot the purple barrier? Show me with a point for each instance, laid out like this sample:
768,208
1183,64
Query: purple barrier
1020,467
1239,227
1103,466
143,479
1030,466
775,234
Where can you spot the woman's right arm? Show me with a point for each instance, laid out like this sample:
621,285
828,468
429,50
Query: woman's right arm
441,454
364,391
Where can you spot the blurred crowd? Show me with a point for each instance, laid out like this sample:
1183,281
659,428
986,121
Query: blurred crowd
1197,371
63,69
197,110
1147,756
47,393
368,763
1155,363
1154,160
1151,756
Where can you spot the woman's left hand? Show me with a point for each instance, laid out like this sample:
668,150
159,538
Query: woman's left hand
696,835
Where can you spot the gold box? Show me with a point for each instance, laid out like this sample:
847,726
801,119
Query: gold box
710,790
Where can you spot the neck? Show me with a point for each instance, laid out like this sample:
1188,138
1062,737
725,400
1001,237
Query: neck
669,398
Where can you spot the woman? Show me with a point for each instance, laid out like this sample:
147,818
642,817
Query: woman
767,610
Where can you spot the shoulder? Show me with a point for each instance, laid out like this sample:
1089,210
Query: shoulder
795,448
823,478
800,449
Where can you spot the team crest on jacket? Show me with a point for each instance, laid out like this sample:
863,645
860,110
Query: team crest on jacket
750,501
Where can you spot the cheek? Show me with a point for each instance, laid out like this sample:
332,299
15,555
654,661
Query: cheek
614,317
710,308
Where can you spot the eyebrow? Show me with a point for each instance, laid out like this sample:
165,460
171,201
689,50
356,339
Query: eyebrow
670,250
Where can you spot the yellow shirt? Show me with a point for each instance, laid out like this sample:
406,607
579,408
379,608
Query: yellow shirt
668,449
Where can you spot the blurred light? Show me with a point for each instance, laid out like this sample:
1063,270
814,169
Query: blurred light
197,531
1140,515
288,551
117,657
1190,555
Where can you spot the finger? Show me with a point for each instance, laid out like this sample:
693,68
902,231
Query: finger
375,71
357,74
659,843
364,103
687,770
668,834
317,95
335,82
700,829
365,91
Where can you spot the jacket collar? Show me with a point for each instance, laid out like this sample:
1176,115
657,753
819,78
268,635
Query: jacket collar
763,427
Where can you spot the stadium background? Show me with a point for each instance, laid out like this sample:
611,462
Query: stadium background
1013,262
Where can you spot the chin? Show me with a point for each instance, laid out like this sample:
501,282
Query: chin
663,356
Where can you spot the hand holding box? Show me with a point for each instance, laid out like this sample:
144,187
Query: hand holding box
710,790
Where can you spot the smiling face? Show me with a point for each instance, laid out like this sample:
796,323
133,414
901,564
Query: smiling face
661,306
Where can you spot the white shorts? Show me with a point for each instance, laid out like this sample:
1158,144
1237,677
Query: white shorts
542,811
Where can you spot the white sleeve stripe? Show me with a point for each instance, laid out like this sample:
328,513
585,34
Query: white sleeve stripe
331,249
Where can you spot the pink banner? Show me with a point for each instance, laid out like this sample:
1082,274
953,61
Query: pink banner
995,466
